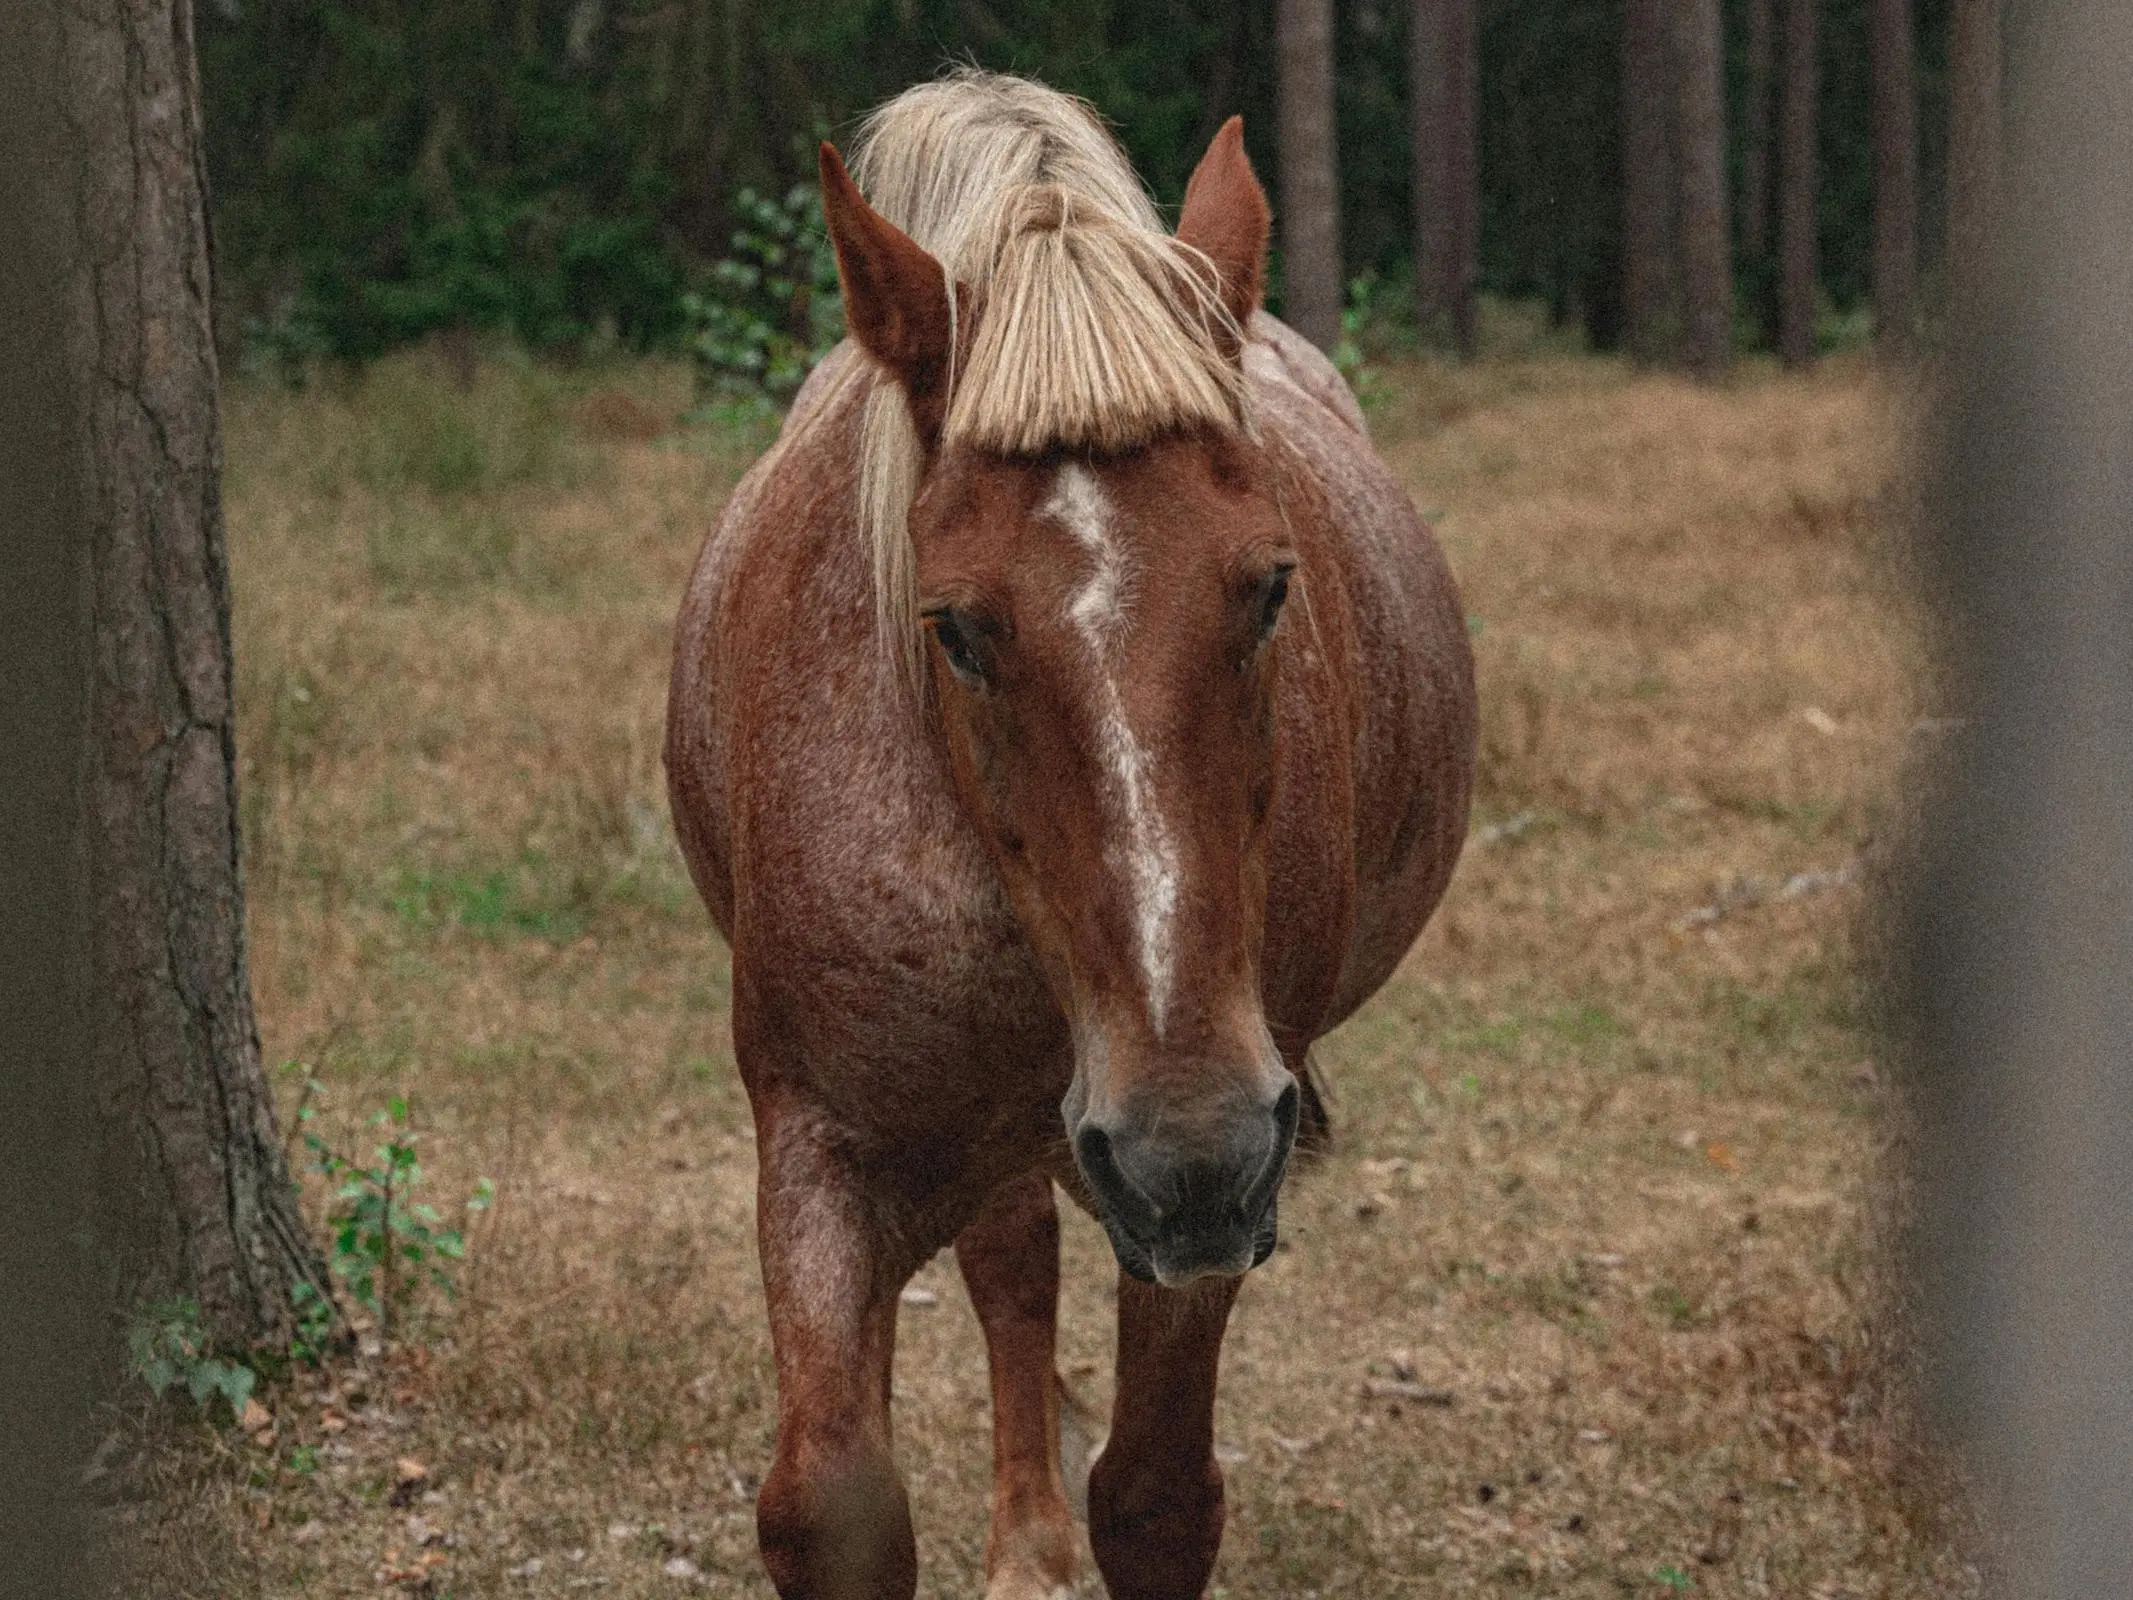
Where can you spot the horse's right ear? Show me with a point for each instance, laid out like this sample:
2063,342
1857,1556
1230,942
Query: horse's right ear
895,296
1226,219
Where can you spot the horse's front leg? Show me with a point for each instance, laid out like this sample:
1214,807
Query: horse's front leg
832,1519
1010,1260
1155,1494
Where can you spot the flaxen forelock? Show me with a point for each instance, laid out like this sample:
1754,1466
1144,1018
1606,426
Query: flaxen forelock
1095,329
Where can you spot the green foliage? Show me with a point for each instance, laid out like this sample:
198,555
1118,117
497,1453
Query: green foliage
166,1348
1369,323
771,310
315,1323
384,1244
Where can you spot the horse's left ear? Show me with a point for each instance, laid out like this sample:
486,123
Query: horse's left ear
895,296
1226,218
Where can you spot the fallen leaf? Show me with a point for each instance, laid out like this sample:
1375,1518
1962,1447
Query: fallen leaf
1721,1155
409,1477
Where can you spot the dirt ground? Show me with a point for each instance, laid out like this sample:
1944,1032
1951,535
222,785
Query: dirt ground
1583,1304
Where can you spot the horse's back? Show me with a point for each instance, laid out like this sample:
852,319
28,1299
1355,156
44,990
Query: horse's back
1412,687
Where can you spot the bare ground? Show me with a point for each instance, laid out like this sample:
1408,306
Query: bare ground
1588,1300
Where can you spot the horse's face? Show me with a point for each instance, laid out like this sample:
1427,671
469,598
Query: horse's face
1106,635
1105,639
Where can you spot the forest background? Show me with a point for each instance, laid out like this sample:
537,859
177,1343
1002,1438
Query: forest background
575,172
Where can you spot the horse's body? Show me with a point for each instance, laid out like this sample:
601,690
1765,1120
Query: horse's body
904,1017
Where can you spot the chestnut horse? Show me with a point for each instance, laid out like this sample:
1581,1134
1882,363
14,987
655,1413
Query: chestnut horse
1071,721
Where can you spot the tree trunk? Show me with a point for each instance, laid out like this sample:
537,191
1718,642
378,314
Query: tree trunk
1797,273
1706,253
1973,145
1447,178
1310,192
1895,271
2020,925
1648,278
49,1317
1755,135
195,1191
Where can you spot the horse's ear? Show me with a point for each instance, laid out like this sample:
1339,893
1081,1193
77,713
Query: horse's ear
895,295
1226,218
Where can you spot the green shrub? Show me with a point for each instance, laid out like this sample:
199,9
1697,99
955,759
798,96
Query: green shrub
384,1244
771,310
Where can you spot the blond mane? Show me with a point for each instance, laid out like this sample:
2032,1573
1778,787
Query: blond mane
1095,328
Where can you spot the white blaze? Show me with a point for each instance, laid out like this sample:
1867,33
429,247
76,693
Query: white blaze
1098,611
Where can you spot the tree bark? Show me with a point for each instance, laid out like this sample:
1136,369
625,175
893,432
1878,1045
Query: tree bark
1648,277
195,1192
1895,133
1445,68
2020,926
1973,145
1755,134
1310,192
1797,264
1705,251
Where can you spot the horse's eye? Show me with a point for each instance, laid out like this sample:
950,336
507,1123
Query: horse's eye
959,644
1273,594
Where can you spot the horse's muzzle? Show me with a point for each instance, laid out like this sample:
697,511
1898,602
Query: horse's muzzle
1188,1197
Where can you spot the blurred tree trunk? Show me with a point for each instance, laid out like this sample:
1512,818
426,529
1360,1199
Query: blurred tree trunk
1973,144
196,1197
1310,191
1895,135
1755,135
1447,187
1797,266
2020,936
1706,256
1648,279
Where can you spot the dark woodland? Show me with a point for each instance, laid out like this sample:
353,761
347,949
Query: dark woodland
569,170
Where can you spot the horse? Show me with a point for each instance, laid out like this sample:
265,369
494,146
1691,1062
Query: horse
1071,720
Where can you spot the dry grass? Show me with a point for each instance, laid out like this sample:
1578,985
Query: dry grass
1604,1175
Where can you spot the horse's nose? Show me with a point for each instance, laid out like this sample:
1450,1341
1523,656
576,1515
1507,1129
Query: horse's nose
1184,1196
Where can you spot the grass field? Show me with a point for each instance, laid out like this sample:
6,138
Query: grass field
1583,1303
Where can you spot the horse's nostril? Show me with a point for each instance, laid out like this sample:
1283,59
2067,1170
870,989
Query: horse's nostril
1093,1146
1098,1156
1288,1107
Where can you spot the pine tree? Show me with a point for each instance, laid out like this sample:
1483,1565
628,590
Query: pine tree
1310,218
1648,276
1442,86
1700,188
1798,275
